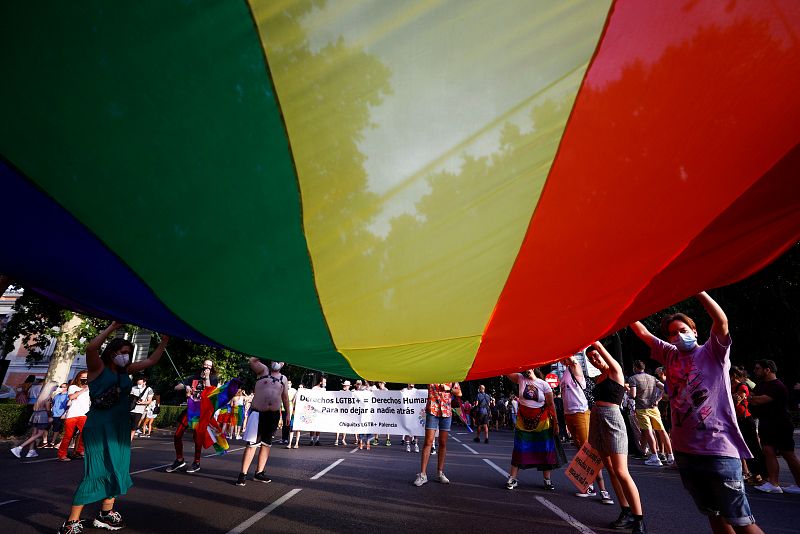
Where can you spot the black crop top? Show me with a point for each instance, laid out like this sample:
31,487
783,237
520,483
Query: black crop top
609,391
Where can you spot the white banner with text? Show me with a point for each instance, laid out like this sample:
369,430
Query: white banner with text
361,412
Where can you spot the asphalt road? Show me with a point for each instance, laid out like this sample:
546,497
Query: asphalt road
330,489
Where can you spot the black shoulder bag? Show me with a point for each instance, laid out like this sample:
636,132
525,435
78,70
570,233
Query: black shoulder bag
108,398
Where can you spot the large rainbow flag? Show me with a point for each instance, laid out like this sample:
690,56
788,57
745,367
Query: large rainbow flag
416,191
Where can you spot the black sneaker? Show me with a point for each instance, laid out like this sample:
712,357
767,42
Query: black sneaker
109,521
638,527
261,477
193,468
241,480
71,527
548,485
316,443
476,440
624,521
177,464
486,441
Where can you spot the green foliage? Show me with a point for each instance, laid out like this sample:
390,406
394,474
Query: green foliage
37,320
168,416
188,357
14,419
763,318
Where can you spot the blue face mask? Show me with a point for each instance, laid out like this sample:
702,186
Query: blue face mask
686,342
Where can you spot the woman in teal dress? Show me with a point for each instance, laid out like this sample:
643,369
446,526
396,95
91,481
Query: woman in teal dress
107,432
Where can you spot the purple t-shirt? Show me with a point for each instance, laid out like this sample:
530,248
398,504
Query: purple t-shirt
703,415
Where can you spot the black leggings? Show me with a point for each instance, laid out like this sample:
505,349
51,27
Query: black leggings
747,425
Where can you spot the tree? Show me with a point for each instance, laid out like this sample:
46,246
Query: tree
37,321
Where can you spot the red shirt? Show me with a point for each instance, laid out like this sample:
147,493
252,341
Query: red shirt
742,408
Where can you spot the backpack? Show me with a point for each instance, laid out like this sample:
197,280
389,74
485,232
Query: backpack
483,403
157,409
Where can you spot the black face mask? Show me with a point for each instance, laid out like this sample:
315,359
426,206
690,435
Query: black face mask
84,381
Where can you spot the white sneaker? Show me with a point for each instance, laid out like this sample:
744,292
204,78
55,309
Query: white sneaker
793,489
433,452
408,447
416,448
32,454
511,483
17,451
605,498
653,461
766,487
421,479
590,492
443,479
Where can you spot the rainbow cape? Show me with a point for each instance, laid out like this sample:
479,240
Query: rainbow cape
238,413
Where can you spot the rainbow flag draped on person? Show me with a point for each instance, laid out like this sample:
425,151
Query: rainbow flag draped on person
237,415
201,414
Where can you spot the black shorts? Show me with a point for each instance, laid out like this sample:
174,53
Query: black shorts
58,425
135,419
777,434
481,418
267,425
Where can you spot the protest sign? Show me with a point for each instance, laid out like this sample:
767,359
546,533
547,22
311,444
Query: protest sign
584,468
361,412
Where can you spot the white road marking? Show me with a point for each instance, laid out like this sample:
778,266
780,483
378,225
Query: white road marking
354,450
167,465
455,438
9,502
263,513
334,464
580,527
54,459
218,454
150,469
496,467
470,449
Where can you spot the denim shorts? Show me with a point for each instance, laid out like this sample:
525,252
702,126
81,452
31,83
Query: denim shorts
715,483
434,422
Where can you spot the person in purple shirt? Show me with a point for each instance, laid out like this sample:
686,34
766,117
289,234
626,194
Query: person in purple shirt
705,437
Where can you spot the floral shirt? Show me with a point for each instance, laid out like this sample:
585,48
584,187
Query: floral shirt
439,400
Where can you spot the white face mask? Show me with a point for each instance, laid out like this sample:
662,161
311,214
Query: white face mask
276,366
121,360
686,341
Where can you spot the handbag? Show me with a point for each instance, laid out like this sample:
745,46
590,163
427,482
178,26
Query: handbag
107,398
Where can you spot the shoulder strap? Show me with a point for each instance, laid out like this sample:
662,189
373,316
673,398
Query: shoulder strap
576,381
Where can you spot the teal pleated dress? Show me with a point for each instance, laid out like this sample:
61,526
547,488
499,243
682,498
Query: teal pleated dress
107,443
